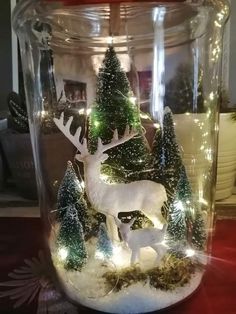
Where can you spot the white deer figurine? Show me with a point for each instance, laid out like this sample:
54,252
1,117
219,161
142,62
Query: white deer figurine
110,199
140,238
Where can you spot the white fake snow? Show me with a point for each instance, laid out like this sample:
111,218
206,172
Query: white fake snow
89,289
137,298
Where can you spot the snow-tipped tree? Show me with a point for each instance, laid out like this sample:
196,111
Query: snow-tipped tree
199,231
70,240
71,193
185,222
104,244
157,166
115,108
172,159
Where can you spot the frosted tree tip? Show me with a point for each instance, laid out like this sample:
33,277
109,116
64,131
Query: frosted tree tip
69,163
167,110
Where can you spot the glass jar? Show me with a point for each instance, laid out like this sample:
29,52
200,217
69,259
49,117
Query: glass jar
123,112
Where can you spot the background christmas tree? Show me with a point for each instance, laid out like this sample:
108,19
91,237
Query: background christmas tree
104,244
179,91
158,162
172,161
199,231
185,223
181,212
114,109
71,240
71,193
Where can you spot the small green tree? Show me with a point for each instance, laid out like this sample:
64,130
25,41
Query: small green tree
179,92
180,210
71,240
184,221
104,244
157,165
180,201
199,231
172,159
114,109
71,193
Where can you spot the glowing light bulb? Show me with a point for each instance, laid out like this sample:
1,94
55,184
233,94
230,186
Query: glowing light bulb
82,184
43,113
218,24
62,253
211,96
96,123
156,125
190,252
132,100
179,205
104,177
88,111
81,111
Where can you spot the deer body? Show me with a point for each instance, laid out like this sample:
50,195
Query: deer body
146,196
110,199
140,238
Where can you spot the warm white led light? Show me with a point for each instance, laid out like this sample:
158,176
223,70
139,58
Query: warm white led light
179,205
43,113
81,111
190,252
88,111
211,96
133,100
82,184
62,253
156,125
104,177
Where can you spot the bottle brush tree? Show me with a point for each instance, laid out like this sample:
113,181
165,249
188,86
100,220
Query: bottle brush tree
115,108
104,244
71,240
71,193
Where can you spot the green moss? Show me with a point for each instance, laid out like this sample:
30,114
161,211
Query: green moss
173,273
125,277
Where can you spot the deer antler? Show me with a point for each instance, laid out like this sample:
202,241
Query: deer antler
128,134
65,129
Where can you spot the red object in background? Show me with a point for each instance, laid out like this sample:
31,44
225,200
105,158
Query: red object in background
78,2
22,238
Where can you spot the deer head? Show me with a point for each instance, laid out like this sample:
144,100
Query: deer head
82,147
124,227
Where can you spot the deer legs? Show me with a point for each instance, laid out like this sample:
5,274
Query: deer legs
135,255
159,249
112,228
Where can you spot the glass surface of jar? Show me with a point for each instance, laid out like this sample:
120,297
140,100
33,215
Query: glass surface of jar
123,109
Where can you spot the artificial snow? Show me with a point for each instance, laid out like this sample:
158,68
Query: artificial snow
89,288
138,298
